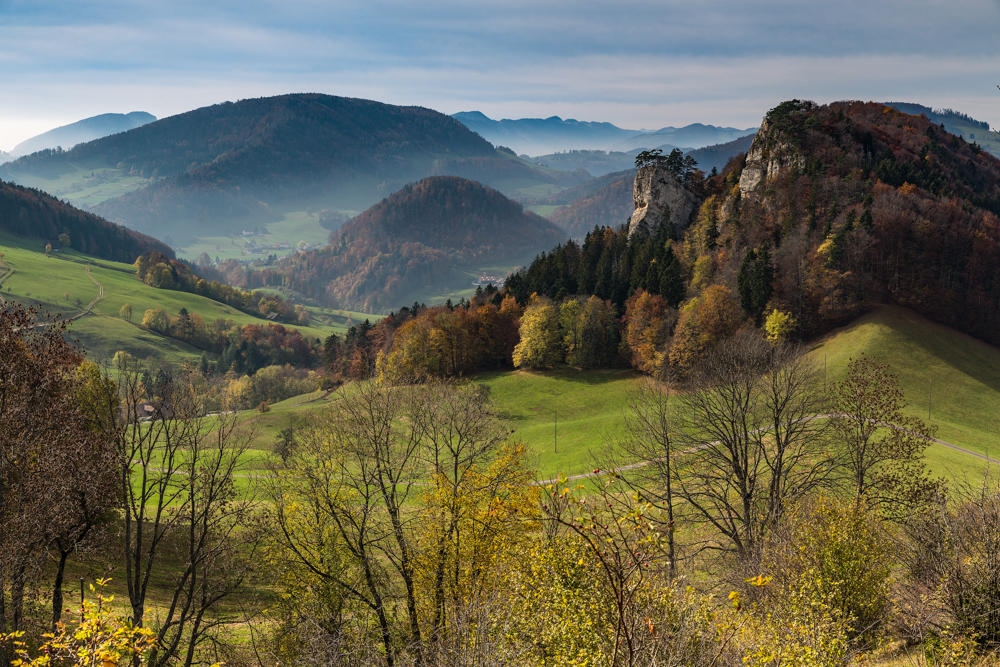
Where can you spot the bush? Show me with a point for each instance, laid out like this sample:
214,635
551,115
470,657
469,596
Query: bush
837,548
954,558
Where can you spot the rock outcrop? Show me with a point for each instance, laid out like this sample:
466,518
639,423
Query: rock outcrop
769,155
656,188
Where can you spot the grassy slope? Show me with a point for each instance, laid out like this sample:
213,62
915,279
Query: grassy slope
964,374
965,371
45,281
76,185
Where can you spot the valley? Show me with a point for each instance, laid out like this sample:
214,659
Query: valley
729,377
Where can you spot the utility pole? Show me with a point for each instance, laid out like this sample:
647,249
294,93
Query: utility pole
930,386
556,431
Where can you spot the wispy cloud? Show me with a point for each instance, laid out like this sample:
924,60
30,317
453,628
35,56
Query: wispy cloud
637,63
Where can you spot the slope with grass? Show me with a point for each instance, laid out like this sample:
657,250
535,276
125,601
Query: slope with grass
955,375
59,283
585,410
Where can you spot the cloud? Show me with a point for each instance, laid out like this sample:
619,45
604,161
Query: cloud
637,63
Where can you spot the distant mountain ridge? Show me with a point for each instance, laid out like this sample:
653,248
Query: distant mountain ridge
83,131
689,137
544,136
222,167
538,136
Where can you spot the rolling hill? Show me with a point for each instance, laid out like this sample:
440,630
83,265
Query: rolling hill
440,231
609,205
220,169
955,122
34,214
83,131
94,290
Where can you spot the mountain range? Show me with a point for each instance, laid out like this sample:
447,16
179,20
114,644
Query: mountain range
83,131
542,136
235,165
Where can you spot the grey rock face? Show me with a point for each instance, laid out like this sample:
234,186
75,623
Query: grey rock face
769,155
656,188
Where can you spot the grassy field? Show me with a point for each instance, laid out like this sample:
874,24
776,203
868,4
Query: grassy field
84,183
47,280
589,404
957,373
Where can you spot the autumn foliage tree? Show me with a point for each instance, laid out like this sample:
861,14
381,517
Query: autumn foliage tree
54,467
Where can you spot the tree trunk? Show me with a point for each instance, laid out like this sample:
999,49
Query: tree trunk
57,589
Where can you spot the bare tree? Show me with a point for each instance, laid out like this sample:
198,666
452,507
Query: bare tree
176,480
461,432
645,457
394,509
343,508
755,444
953,558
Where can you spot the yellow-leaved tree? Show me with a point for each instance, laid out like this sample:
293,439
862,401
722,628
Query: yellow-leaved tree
539,346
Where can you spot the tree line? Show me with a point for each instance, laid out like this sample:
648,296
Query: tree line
725,524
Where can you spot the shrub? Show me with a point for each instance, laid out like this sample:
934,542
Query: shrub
839,550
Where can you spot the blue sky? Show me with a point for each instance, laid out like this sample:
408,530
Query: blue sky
636,63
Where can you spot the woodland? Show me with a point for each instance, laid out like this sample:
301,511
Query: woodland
34,214
749,512
746,515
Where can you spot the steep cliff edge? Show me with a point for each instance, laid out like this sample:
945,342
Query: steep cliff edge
770,154
655,189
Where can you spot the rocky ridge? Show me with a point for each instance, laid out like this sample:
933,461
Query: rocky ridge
655,189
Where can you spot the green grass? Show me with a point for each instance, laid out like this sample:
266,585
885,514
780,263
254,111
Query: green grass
45,280
962,374
75,183
588,405
542,209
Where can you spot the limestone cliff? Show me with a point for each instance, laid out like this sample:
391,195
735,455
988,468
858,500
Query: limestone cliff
769,155
655,188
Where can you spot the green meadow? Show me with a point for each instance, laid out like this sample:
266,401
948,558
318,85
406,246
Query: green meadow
955,375
56,282
567,417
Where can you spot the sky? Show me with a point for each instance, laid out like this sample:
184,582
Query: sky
640,64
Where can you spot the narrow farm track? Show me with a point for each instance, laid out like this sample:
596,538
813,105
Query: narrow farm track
100,295
692,450
642,464
7,272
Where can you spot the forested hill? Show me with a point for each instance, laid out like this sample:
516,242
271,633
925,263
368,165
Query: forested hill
835,209
610,205
220,161
415,238
31,213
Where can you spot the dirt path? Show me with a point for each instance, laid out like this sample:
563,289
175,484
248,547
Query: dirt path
5,272
100,295
642,464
